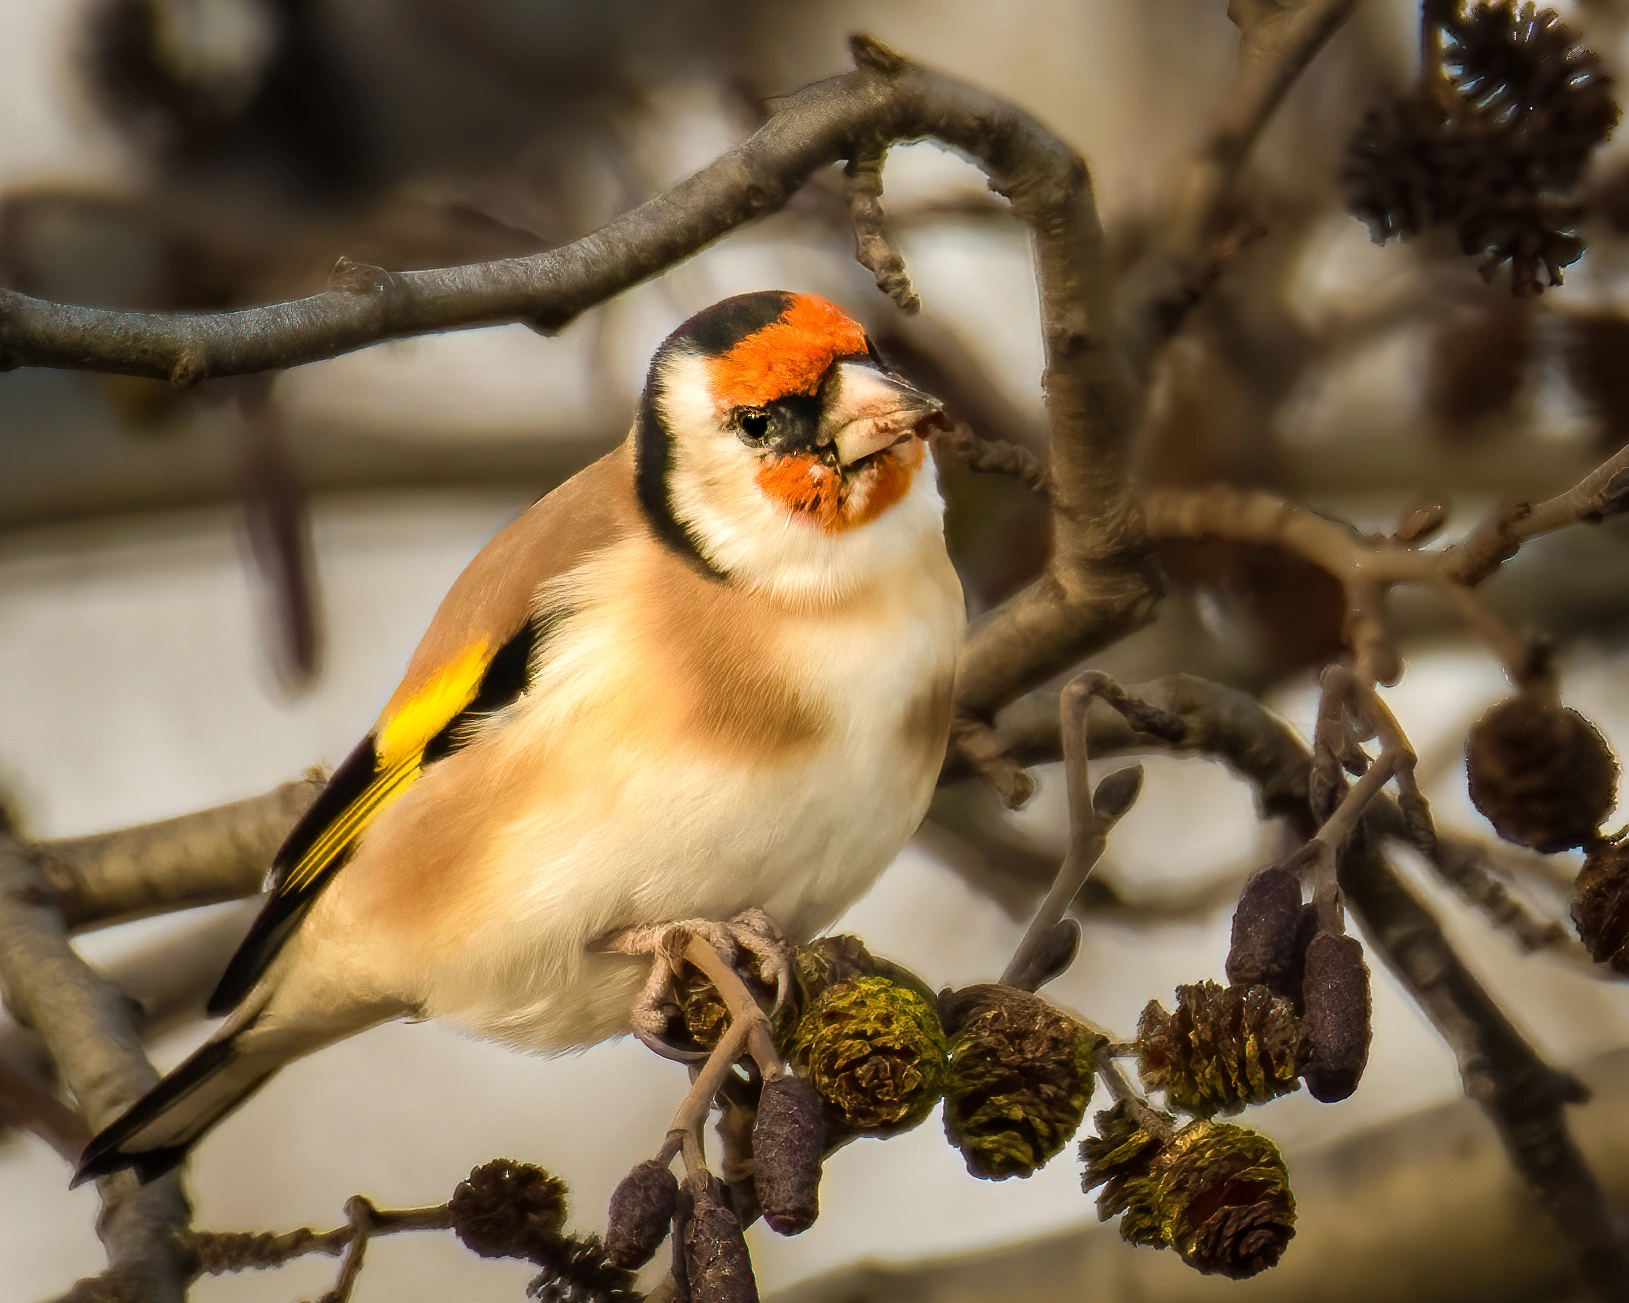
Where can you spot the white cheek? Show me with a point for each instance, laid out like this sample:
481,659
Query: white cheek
714,489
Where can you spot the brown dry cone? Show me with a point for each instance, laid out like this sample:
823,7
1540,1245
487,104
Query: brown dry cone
1600,904
1541,773
1223,1048
1020,1078
505,1209
788,1142
1266,924
1336,1016
642,1208
1218,1194
875,1050
718,1268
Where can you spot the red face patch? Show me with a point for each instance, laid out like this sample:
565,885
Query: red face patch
791,355
815,492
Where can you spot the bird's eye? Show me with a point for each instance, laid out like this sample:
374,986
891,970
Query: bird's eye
753,423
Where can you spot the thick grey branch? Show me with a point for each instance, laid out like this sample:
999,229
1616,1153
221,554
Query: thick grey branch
87,1026
1099,583
198,859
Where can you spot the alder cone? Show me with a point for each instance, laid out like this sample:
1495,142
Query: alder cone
788,1140
875,1050
505,1209
1335,988
1266,925
1600,905
1020,1078
1218,1194
642,1210
1541,773
1223,1048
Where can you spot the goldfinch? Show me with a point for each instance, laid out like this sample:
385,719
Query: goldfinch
708,675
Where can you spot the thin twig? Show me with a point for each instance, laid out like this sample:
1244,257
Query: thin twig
1088,826
1465,865
218,1252
872,247
1367,569
959,444
1149,1118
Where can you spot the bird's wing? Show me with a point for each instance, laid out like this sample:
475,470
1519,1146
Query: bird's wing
476,658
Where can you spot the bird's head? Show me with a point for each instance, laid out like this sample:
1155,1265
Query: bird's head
775,446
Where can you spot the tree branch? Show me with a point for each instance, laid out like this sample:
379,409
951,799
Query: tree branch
198,859
86,1023
1099,583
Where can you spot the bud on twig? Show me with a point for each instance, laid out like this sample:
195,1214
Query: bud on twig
1117,793
642,1208
875,1051
1223,1048
1541,773
718,1268
1218,1194
1600,904
1335,991
1265,926
1020,1079
788,1139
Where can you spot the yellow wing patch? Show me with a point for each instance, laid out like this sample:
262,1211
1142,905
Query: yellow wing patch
398,749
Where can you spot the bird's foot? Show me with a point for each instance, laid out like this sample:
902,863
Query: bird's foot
749,940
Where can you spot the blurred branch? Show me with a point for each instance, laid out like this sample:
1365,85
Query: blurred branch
1369,568
26,1103
114,475
198,859
872,247
1277,40
1099,583
87,1026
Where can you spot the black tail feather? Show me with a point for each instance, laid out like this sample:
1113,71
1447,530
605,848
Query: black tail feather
118,1146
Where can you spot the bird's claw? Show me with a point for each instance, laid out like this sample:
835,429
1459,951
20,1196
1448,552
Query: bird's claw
752,933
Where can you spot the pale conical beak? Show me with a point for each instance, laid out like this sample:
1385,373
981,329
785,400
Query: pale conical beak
867,411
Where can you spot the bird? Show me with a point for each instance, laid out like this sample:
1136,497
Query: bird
708,676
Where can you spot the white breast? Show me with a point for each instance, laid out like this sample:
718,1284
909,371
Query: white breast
644,832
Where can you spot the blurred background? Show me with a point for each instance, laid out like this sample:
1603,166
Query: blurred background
202,593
